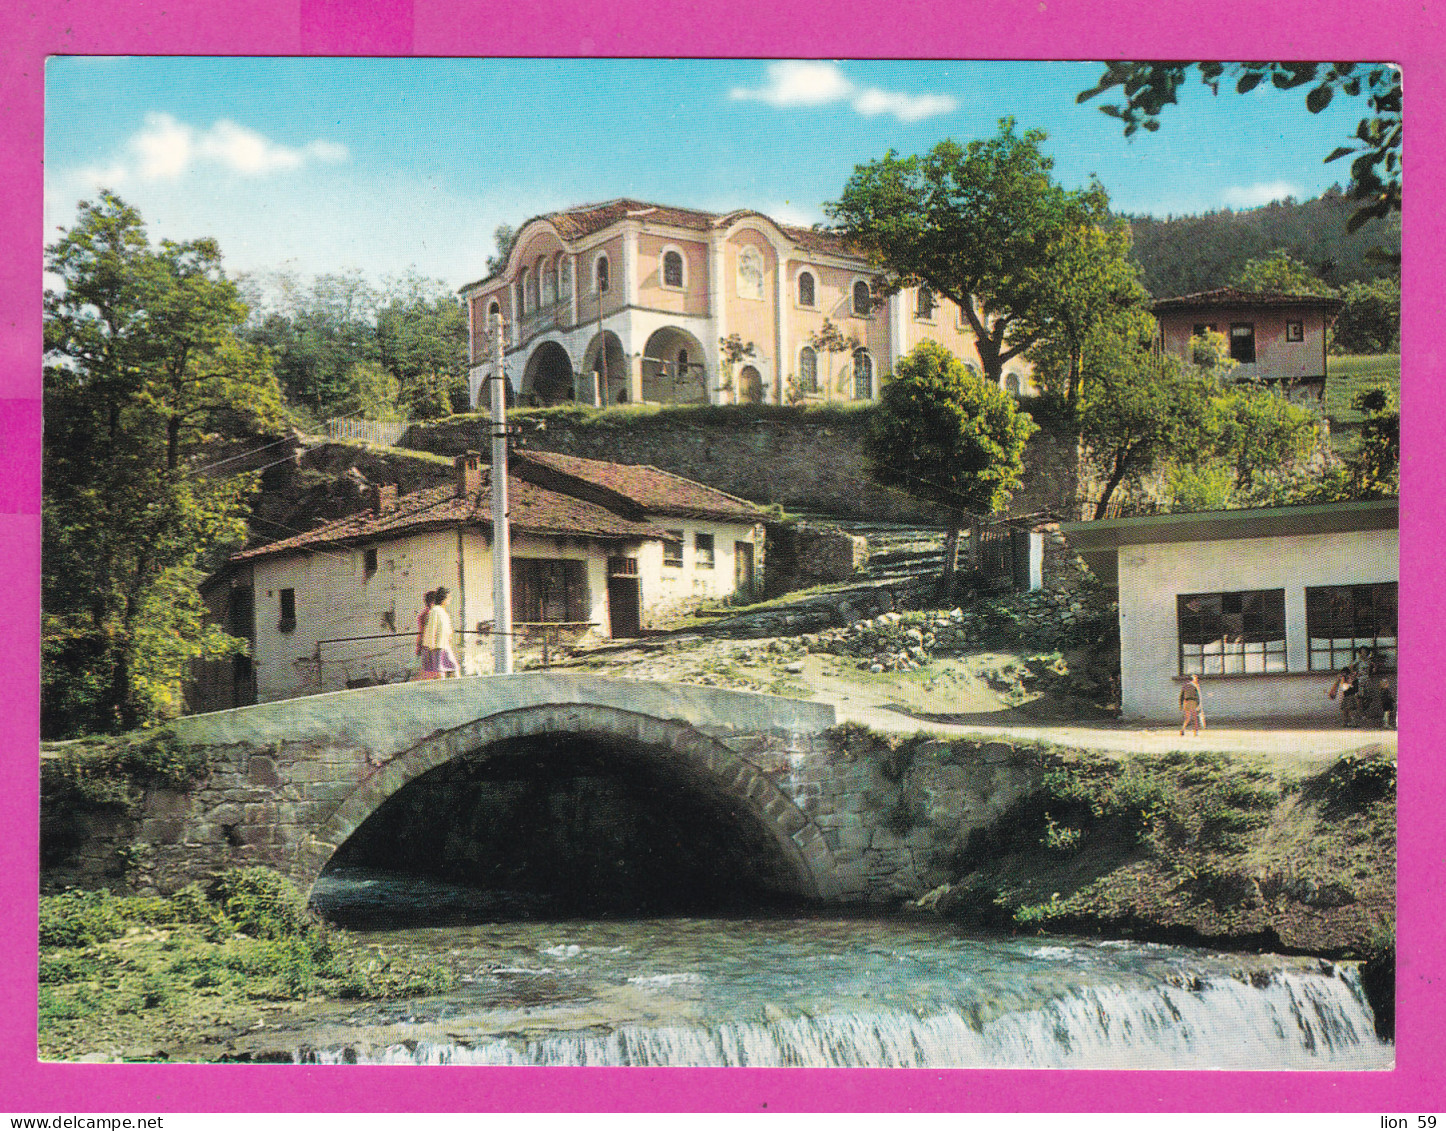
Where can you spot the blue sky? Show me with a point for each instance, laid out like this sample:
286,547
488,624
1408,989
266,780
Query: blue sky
381,166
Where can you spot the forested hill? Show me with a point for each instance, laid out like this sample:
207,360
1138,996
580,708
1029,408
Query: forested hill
1184,254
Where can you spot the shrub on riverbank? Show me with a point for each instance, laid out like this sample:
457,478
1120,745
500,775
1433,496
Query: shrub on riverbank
115,971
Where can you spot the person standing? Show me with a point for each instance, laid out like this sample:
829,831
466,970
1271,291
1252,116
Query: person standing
438,659
428,598
1191,706
1388,705
1346,686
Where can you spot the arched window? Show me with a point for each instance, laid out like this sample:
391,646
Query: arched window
863,299
807,370
494,309
564,279
524,291
805,288
672,269
924,307
863,375
1011,383
750,273
547,273
601,275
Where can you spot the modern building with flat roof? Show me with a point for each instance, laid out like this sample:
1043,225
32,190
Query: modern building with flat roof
1264,605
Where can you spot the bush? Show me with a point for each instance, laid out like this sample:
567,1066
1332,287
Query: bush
379,978
80,918
262,904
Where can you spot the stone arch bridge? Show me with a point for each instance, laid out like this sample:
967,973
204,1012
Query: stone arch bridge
291,781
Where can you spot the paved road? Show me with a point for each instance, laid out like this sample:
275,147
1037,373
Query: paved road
1282,743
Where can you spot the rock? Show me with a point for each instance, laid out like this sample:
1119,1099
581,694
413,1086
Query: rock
796,666
876,668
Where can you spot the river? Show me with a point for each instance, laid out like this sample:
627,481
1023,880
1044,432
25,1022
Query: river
804,989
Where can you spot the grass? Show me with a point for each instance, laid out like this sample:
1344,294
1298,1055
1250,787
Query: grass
128,971
1355,373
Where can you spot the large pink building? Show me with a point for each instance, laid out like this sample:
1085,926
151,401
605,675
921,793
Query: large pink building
1276,338
626,301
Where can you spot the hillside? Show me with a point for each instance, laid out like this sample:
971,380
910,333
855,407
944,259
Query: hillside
1184,254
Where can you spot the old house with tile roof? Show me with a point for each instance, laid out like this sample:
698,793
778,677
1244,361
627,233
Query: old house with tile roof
1274,338
627,301
598,550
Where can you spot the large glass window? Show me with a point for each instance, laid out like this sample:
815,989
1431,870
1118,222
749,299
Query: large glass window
1340,619
924,307
1232,633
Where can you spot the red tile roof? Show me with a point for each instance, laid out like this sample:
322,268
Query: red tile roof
534,510
586,219
1230,296
648,488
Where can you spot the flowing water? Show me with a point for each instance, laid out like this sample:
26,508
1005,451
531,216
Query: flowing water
813,990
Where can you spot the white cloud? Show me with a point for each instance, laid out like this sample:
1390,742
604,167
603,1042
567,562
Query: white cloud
905,107
166,149
801,83
1253,196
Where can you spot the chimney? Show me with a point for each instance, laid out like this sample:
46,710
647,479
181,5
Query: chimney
384,497
467,474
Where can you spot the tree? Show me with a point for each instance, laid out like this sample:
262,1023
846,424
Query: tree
1280,273
1370,318
1093,279
1376,169
731,350
831,340
1258,433
1143,410
945,435
422,343
505,235
1373,470
142,360
980,224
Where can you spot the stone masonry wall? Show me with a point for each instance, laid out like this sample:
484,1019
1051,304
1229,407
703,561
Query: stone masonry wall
800,464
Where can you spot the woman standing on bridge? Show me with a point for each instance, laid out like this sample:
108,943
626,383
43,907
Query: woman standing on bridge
437,656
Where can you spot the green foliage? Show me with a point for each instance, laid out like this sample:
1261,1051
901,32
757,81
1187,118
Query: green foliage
78,918
422,341
1187,254
142,362
372,393
1256,432
504,236
1061,838
1281,273
943,434
262,904
1376,169
384,977
1373,470
983,224
1357,780
1370,320
1142,410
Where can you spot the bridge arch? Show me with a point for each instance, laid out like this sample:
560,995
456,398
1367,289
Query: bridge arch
801,865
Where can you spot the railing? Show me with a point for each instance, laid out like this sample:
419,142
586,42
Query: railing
384,433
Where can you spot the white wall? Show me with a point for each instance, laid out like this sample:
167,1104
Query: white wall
668,590
1152,576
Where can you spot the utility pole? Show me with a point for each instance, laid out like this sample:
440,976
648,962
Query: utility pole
501,536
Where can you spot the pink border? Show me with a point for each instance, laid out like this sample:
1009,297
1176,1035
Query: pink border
1396,30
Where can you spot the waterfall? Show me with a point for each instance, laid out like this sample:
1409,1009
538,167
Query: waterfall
1286,1021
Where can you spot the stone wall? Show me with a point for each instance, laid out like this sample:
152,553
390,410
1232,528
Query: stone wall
803,554
799,463
836,817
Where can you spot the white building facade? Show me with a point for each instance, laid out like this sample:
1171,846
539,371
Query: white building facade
627,302
1265,606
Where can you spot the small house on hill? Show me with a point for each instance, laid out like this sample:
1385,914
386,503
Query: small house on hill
1274,338
1264,605
598,549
